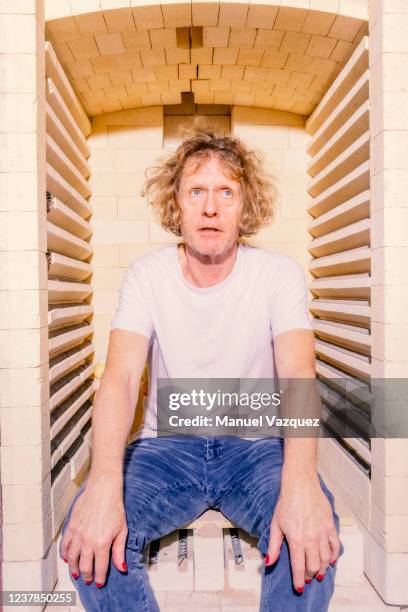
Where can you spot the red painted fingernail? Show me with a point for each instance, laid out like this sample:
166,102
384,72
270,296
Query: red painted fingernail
299,589
88,581
319,577
267,559
308,580
333,562
75,575
99,584
124,566
65,560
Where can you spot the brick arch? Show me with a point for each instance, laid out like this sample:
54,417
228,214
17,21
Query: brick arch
121,54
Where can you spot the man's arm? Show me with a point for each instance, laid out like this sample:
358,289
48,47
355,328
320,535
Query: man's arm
303,513
115,403
98,519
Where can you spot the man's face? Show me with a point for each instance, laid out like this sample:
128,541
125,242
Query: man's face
211,206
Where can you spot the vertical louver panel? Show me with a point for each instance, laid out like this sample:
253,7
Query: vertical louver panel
340,248
69,234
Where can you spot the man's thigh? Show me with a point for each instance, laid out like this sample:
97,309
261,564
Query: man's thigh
163,487
250,499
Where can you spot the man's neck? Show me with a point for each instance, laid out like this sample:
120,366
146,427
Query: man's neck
202,271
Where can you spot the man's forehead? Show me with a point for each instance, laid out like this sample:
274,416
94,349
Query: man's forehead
208,165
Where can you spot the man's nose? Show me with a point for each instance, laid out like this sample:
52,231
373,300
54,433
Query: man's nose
210,207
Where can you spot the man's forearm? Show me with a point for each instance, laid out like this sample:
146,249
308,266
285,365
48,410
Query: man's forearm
300,450
112,419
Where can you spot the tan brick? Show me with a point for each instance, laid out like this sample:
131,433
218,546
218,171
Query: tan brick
318,22
119,20
274,59
177,15
110,44
159,235
104,64
290,19
147,17
24,464
17,73
232,73
123,77
187,71
90,24
220,85
345,28
209,71
215,37
163,38
83,68
202,56
158,87
105,208
136,40
127,61
241,86
261,16
255,74
268,39
250,57
166,73
321,46
242,37
178,56
171,97
83,48
200,86
137,89
109,231
225,56
180,85
105,255
152,58
143,75
342,51
300,79
244,99
99,81
204,13
63,52
131,251
62,29
233,14
134,208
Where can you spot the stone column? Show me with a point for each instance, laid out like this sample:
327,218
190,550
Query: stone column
386,542
24,389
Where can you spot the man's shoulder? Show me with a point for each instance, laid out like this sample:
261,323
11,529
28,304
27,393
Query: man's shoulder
259,256
154,260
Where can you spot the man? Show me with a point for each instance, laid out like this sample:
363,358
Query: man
211,307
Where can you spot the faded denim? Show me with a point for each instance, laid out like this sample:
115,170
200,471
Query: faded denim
170,481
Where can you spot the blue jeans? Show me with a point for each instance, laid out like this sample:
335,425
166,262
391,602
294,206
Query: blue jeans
170,481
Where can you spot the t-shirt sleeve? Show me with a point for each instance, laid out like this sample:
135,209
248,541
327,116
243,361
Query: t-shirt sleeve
133,312
289,304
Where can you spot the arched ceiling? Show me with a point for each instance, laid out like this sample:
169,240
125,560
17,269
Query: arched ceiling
121,54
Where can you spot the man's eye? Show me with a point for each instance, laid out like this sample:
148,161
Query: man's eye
196,191
227,193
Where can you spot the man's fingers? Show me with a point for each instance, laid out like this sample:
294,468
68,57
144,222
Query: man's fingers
312,560
325,555
118,551
297,561
65,543
73,555
86,564
275,544
102,558
334,543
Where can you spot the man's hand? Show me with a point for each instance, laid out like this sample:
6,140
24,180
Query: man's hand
303,515
97,522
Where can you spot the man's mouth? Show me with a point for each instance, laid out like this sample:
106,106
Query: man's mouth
209,230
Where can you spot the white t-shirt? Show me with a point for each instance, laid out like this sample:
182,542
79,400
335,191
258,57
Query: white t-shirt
223,331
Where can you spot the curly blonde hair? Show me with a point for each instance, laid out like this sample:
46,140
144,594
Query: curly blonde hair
245,166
